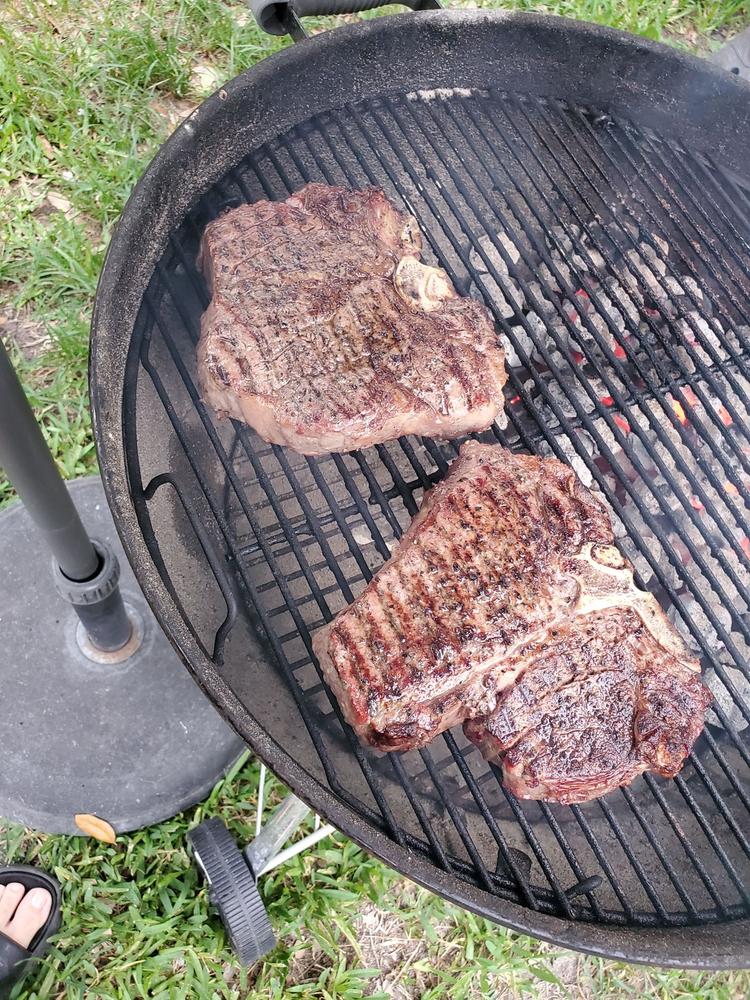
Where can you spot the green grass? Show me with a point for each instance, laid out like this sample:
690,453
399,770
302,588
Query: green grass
137,924
87,93
652,19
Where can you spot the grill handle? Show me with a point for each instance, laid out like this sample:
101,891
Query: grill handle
282,18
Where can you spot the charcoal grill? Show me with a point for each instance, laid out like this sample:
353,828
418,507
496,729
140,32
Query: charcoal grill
594,190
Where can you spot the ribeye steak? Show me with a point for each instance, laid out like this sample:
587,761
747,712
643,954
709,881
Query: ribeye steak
325,332
506,606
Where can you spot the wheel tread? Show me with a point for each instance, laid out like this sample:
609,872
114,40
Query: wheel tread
233,890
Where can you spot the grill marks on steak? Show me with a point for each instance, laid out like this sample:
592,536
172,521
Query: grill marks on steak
325,331
410,657
598,702
506,604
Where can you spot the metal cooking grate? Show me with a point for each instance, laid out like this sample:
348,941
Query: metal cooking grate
615,264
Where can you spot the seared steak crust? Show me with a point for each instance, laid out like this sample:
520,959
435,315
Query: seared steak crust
325,331
505,572
598,701
486,561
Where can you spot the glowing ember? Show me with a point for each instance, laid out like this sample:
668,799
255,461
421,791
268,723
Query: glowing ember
578,358
690,396
695,503
679,410
745,543
622,423
620,351
724,415
516,399
732,489
607,400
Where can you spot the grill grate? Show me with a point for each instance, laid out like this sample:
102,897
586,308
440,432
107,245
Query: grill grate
614,263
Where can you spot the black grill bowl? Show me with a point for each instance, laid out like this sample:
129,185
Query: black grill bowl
578,145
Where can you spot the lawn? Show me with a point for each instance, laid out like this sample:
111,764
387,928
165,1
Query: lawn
87,93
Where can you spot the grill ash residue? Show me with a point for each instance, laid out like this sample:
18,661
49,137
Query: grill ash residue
642,370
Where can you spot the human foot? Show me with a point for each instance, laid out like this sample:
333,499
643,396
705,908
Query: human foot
22,913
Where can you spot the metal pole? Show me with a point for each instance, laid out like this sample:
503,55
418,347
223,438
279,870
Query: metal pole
86,574
31,469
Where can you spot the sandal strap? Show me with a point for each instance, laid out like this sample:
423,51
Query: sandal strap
13,959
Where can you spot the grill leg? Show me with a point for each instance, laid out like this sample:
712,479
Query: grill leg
265,852
298,847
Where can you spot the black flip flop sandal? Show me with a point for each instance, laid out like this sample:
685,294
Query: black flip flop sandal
16,961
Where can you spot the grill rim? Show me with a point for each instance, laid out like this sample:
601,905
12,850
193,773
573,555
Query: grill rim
130,261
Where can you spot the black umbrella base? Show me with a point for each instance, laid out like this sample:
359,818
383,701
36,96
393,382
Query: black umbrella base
132,742
734,55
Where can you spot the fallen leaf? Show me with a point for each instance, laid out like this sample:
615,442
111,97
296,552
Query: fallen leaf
46,145
204,78
58,201
92,826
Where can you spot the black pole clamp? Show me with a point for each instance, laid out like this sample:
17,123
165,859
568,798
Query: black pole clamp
98,601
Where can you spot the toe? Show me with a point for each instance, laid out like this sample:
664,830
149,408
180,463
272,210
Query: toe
11,897
30,916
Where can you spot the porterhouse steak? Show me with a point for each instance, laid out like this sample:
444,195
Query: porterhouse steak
598,701
507,607
325,332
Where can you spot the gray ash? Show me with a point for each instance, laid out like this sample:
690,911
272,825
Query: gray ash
605,317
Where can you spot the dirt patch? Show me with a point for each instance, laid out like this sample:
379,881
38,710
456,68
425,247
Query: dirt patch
307,961
697,42
381,941
384,944
52,203
172,110
31,196
20,330
393,943
23,196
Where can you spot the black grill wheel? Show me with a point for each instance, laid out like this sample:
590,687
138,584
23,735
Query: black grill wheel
233,890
